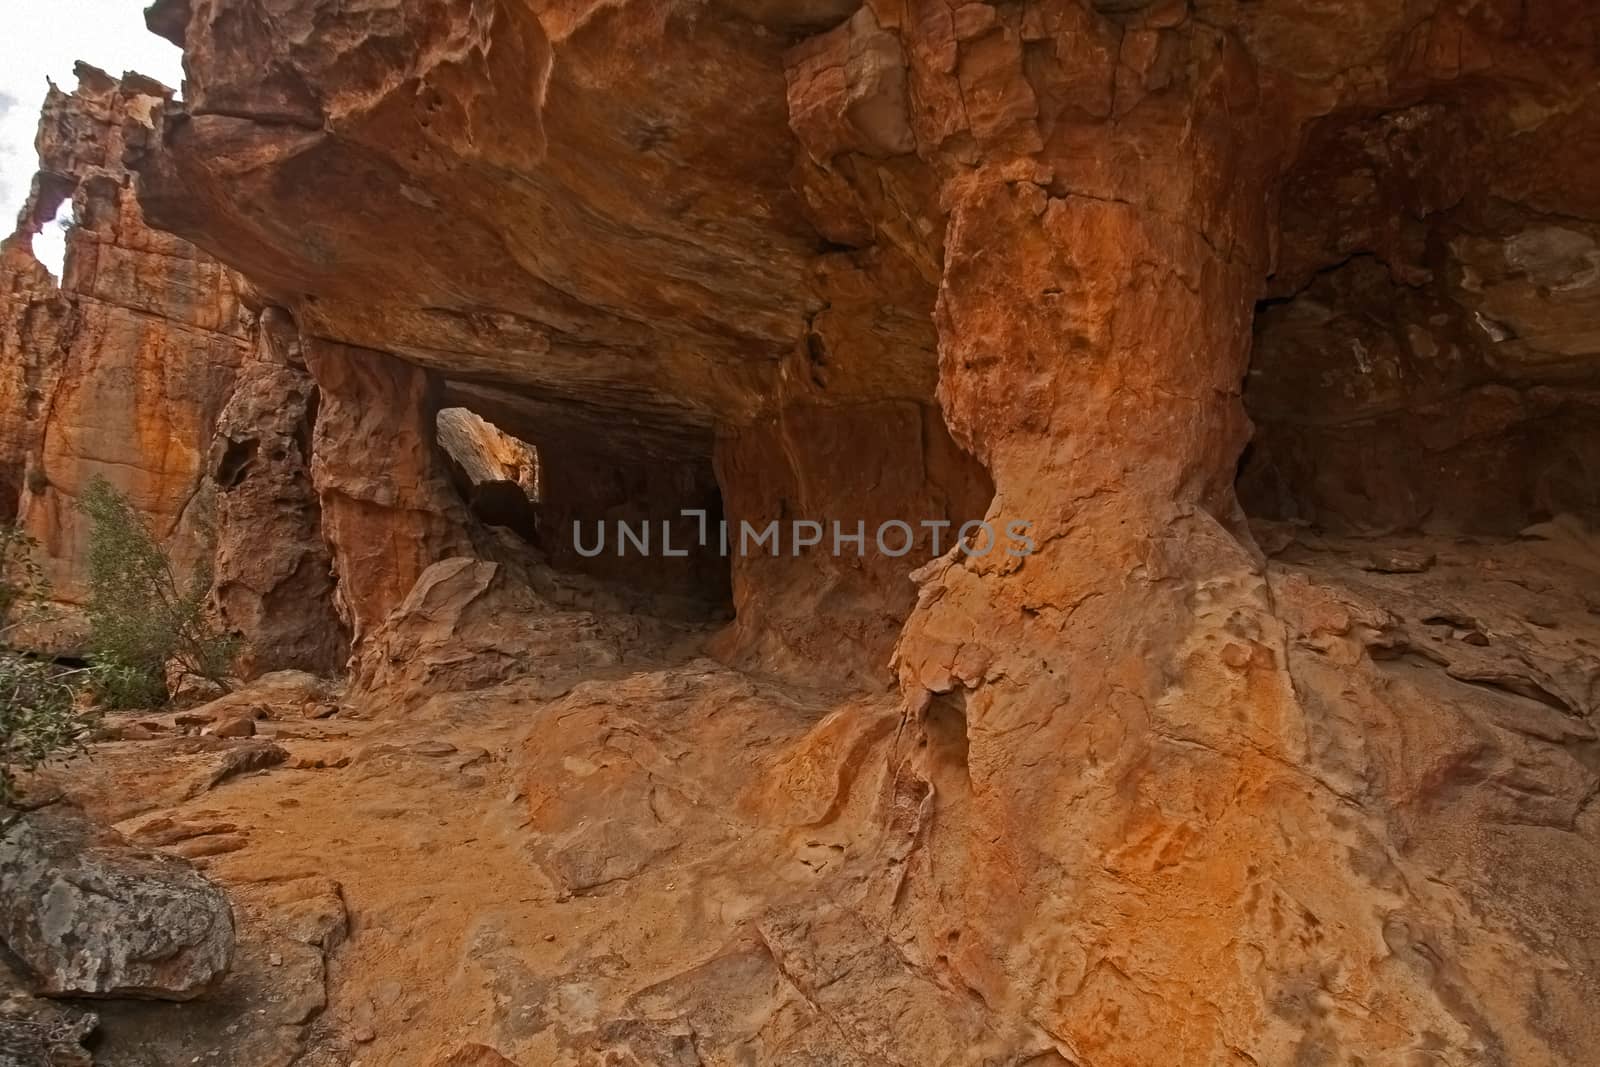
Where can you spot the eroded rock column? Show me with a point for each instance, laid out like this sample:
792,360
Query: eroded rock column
1103,818
274,579
388,507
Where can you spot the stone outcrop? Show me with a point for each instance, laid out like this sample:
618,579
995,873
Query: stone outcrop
273,573
388,508
122,369
90,915
149,364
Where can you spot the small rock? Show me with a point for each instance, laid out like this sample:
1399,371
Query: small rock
432,748
255,756
1236,655
1273,538
320,763
362,1023
238,726
165,830
210,845
1399,561
473,1056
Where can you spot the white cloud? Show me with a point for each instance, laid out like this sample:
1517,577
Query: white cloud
42,39
8,159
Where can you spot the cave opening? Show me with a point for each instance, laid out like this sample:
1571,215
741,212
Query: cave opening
1423,358
497,475
50,239
641,524
1382,407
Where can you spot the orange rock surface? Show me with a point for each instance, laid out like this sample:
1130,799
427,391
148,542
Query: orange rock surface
1193,291
121,369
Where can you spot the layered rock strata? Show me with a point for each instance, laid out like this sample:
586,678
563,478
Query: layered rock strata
121,369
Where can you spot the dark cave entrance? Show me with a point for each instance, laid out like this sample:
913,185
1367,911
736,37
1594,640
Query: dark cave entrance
639,525
1385,407
1422,362
497,475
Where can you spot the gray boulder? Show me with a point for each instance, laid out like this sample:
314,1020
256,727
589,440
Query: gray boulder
91,915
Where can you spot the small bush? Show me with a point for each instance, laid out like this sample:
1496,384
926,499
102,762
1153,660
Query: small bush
22,583
40,716
142,618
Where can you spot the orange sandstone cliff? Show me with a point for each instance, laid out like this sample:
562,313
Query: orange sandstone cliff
1275,325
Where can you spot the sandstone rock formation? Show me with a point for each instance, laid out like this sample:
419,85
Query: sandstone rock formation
384,521
145,365
273,572
1103,776
495,473
1426,353
746,320
90,915
121,369
1139,794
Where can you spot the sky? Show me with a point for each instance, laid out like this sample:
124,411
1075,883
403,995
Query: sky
42,39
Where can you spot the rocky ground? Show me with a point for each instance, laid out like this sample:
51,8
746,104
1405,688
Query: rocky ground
665,861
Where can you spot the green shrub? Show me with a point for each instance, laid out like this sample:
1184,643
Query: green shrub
22,583
40,715
142,619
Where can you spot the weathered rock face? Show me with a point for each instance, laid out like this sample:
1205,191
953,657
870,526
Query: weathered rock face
446,123
850,469
274,578
1107,178
122,370
90,915
1128,812
145,366
1428,354
388,508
